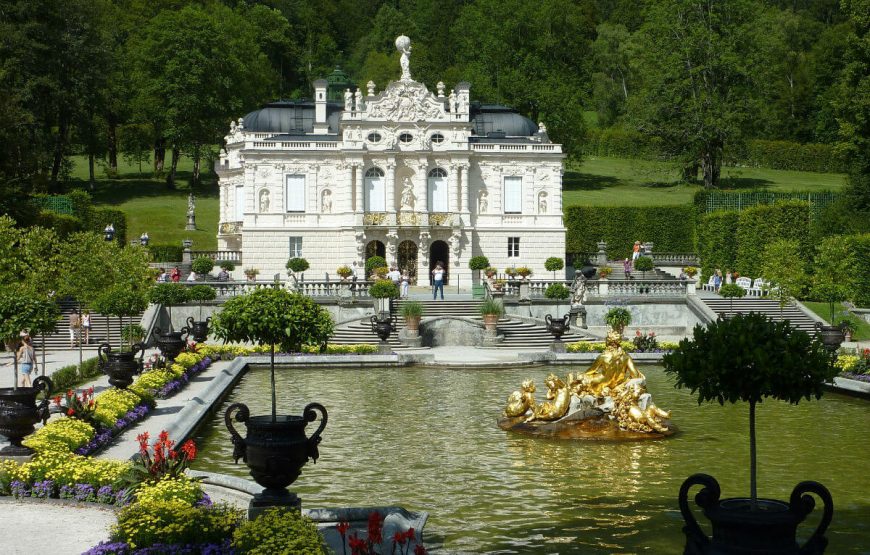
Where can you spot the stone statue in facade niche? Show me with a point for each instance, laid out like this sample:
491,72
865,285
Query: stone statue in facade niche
407,194
348,100
326,201
264,200
542,203
451,101
403,45
482,202
359,100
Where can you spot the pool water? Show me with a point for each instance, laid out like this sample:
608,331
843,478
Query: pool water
426,439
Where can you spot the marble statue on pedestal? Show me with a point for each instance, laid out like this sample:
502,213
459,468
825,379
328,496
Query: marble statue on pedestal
403,45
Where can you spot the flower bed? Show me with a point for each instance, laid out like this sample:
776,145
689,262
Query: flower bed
229,352
627,346
855,366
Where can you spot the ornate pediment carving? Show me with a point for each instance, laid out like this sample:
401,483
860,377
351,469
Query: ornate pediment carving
406,101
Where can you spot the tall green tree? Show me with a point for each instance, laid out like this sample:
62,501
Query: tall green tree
697,91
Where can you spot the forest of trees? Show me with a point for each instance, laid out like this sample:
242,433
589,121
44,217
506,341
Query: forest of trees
155,79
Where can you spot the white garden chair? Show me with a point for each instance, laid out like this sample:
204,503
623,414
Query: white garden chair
757,289
709,286
745,283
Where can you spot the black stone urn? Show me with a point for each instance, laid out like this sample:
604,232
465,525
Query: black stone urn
832,336
275,450
558,328
199,330
738,530
121,366
171,343
19,412
383,325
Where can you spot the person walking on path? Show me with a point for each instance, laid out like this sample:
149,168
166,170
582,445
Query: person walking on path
86,326
438,281
635,251
75,323
626,267
26,356
405,283
717,280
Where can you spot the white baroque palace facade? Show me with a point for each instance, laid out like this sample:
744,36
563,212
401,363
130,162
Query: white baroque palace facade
407,174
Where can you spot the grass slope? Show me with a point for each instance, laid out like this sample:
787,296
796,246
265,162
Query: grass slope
631,182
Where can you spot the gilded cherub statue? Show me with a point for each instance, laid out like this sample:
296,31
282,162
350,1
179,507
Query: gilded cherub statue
611,369
559,395
519,402
635,410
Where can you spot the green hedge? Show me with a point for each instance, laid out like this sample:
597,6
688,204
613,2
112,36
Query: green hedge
68,377
166,253
711,201
670,228
760,225
717,245
100,217
786,155
861,248
62,224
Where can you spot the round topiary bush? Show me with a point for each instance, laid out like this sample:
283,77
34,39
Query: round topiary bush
643,264
554,264
202,265
384,289
227,265
201,293
618,318
557,291
374,262
297,265
478,263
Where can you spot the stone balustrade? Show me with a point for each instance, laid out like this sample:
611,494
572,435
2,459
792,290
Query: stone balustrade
675,259
219,256
317,288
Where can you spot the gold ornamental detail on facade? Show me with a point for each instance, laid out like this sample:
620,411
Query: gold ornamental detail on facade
230,228
375,218
439,218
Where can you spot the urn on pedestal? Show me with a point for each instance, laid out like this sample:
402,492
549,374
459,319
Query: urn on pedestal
121,366
19,412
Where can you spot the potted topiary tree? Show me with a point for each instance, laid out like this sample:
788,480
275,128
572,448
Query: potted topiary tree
373,262
644,264
749,358
200,294
554,264
604,272
731,291
477,263
170,342
18,409
275,448
383,291
227,265
251,273
297,265
618,318
557,292
524,272
344,272
491,310
834,278
202,266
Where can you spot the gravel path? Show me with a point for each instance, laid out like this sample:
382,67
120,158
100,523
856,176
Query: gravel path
29,527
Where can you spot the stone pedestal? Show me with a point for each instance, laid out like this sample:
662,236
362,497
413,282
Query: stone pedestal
557,346
191,222
410,339
268,499
491,338
384,348
525,295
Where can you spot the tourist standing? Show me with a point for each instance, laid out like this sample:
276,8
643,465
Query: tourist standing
394,276
438,281
75,323
626,267
175,275
717,280
354,272
727,277
26,356
163,277
405,283
635,251
191,276
86,326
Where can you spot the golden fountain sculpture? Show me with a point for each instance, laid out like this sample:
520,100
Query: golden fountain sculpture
608,401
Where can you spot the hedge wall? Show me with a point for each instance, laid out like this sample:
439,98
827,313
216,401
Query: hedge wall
786,155
760,225
100,217
670,228
166,253
861,247
62,224
717,245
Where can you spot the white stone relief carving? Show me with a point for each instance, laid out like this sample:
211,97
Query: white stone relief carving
264,201
482,202
406,101
542,202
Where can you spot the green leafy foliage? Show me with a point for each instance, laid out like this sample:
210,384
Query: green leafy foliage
861,248
554,264
643,264
672,228
278,530
297,265
717,247
557,291
99,218
227,265
202,265
783,266
374,262
759,226
412,309
491,307
478,263
384,289
268,316
834,271
169,294
165,253
133,333
20,312
732,290
174,522
121,301
618,318
201,293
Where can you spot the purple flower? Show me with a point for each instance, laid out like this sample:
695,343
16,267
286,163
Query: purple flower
106,548
43,489
19,489
205,501
106,495
85,492
120,498
67,491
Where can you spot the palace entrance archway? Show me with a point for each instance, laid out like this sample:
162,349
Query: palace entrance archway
375,248
439,251
408,259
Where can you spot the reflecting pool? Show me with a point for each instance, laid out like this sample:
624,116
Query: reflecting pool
426,439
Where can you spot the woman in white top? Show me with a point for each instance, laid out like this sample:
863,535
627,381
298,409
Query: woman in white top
191,276
405,283
438,281
86,326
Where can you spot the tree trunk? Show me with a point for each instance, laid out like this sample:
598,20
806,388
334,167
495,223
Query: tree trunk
711,163
690,172
159,154
113,144
753,476
170,177
274,402
91,178
59,147
196,163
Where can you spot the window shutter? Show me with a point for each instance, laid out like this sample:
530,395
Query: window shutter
240,203
295,193
438,194
513,195
375,194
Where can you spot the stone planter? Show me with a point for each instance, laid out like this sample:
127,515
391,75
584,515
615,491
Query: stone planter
737,529
831,336
412,325
19,412
275,451
490,321
171,343
120,366
198,330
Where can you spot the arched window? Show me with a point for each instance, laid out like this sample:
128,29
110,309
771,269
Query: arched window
438,190
375,191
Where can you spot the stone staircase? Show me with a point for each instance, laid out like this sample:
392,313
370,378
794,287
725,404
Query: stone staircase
769,307
102,328
618,272
518,334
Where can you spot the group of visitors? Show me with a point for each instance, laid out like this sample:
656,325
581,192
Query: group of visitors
167,276
628,265
719,280
401,280
79,324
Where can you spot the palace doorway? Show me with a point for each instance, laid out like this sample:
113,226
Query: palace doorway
408,259
375,248
439,252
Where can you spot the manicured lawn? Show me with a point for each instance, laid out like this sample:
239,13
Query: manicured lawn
862,328
151,207
601,181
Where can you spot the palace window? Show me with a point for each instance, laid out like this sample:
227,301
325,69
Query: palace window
295,193
438,190
437,138
375,191
406,138
374,137
240,203
513,247
513,195
295,247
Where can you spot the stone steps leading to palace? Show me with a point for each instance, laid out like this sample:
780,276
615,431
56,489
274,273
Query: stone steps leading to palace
768,307
100,333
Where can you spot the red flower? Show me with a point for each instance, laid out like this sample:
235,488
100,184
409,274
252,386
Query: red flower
91,390
376,523
357,546
409,534
399,538
419,550
189,449
342,527
57,400
69,393
70,412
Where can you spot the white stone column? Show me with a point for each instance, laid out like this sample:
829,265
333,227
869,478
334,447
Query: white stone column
453,188
391,187
463,177
422,186
357,186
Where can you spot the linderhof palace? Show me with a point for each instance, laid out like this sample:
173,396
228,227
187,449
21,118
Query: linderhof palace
416,177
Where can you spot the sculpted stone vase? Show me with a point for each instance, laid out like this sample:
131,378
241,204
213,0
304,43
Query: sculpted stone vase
832,336
121,366
738,530
171,343
275,451
199,330
19,412
558,328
